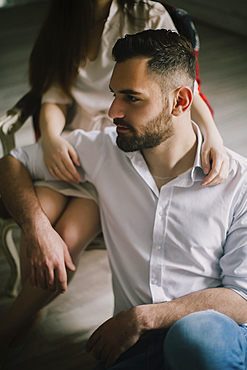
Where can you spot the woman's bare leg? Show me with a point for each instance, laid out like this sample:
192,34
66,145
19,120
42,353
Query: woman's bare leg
79,225
30,300
75,214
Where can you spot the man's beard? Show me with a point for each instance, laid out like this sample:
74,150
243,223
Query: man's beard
149,136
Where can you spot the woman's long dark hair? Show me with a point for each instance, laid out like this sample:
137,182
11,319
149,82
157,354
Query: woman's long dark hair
62,44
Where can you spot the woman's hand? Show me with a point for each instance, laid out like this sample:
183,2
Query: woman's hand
215,163
61,158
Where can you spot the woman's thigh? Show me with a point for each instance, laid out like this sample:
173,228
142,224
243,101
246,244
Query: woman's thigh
52,202
79,224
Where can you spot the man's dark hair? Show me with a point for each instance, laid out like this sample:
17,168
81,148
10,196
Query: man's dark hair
169,53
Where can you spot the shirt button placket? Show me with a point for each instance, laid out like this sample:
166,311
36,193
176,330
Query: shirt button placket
162,213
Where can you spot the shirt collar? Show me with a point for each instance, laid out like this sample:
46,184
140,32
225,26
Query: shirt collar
186,179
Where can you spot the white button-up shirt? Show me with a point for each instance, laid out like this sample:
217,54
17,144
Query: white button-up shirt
161,244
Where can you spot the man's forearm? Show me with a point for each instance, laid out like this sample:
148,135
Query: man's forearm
46,252
122,331
164,315
18,193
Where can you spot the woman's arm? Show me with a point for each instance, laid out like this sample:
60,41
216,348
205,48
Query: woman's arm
215,161
60,157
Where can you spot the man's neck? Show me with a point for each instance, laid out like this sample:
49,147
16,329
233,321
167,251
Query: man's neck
173,157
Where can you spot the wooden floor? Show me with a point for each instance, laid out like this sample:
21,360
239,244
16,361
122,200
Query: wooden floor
59,342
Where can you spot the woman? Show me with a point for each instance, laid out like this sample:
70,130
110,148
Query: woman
75,72
71,62
52,76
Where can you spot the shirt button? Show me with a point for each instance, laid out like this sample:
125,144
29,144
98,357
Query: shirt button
161,213
158,247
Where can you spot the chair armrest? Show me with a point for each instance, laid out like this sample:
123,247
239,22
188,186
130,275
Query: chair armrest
25,108
15,118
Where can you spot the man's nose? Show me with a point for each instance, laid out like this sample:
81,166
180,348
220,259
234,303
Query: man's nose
116,109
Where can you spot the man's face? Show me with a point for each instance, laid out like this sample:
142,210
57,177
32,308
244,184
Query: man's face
140,110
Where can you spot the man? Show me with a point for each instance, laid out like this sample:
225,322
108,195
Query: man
177,250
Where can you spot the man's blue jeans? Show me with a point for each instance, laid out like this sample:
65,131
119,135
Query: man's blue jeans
205,340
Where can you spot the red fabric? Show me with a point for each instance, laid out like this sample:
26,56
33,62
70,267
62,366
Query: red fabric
199,84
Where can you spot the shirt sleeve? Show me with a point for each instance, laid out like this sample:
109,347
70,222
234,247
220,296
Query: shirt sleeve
89,147
234,261
56,95
31,157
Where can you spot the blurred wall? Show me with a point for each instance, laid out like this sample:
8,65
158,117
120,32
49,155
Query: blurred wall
6,3
226,14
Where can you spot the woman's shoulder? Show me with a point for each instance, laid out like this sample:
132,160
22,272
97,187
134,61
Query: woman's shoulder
151,14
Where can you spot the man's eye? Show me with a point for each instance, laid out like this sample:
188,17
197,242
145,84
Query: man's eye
133,98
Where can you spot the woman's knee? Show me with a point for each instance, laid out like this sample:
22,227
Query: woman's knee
205,340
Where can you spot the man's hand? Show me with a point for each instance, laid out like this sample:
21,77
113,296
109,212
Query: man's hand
47,254
116,335
47,257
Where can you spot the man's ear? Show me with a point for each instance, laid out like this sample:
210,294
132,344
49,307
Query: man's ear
182,100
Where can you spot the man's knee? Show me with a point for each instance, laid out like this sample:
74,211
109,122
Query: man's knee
205,340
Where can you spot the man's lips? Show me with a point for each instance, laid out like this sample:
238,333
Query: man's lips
122,128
